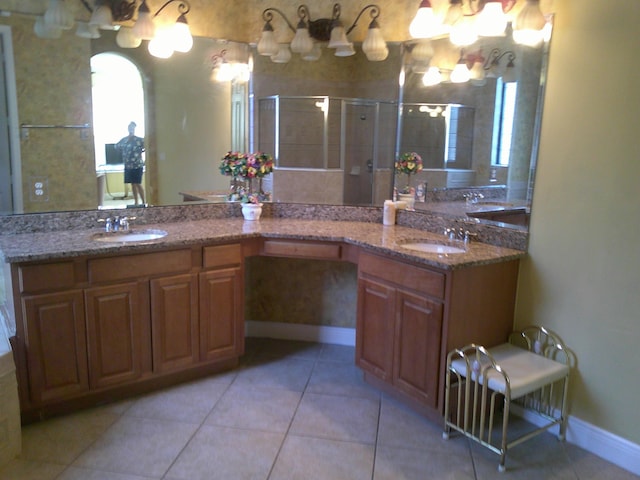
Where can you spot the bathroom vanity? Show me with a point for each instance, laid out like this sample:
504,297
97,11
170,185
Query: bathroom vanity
97,322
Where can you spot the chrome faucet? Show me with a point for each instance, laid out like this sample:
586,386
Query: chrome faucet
459,234
473,197
116,223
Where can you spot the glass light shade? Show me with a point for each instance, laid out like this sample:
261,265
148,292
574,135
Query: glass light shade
460,73
422,51
314,54
144,28
338,37
161,46
529,25
126,39
102,18
345,51
426,24
463,32
374,46
302,42
58,15
283,55
42,30
224,72
432,77
182,40
268,45
84,30
491,21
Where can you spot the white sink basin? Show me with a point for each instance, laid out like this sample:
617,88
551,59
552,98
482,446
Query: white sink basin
131,236
427,247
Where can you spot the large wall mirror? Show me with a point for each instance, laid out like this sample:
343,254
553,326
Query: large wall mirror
335,125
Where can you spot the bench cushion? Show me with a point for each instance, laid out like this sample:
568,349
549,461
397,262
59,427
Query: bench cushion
526,370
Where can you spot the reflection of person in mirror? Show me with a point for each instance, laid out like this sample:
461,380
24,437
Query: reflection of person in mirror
131,148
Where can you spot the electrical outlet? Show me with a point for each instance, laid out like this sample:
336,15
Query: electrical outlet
39,191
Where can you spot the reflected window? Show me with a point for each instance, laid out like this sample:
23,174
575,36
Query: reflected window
503,125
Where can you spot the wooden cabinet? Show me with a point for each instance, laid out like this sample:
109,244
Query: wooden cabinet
94,325
399,326
410,316
55,346
174,310
416,349
116,319
221,289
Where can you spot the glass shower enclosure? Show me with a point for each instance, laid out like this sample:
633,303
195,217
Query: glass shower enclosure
328,150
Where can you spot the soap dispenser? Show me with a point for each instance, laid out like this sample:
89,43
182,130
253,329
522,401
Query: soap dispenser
389,213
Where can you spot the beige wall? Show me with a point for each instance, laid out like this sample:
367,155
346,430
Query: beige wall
582,277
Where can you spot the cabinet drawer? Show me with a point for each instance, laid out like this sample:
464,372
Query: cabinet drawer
222,255
403,274
37,278
311,250
141,265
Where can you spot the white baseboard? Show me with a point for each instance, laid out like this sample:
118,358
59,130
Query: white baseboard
606,445
307,333
602,443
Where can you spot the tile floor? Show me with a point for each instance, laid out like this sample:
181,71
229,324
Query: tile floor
292,410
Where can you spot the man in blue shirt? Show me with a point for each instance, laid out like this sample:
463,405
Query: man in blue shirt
131,148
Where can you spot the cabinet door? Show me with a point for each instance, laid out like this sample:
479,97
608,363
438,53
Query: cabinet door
375,327
174,322
221,314
417,349
55,345
116,318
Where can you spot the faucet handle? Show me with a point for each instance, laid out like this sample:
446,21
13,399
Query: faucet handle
468,235
108,224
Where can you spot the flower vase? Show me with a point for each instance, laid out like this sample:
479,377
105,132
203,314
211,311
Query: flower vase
408,198
251,211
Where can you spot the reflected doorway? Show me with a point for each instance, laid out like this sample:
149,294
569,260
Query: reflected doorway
118,99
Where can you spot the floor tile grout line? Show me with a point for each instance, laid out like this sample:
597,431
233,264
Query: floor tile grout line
202,423
95,440
286,434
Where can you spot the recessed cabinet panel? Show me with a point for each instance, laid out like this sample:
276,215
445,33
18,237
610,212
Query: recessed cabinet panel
221,314
174,329
375,327
417,348
115,321
55,345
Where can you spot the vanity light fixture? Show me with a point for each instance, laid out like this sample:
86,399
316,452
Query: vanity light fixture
309,33
465,20
529,26
226,69
475,68
165,37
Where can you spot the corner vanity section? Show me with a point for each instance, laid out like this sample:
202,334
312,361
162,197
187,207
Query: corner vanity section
99,322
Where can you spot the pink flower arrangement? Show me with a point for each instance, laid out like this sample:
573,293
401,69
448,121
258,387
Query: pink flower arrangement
246,165
408,163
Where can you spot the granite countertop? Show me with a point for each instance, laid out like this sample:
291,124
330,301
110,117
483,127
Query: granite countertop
27,247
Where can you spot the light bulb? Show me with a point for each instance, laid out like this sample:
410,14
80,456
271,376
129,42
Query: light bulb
529,25
426,23
432,77
491,21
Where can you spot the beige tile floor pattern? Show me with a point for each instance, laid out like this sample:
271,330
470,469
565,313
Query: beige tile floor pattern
291,410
